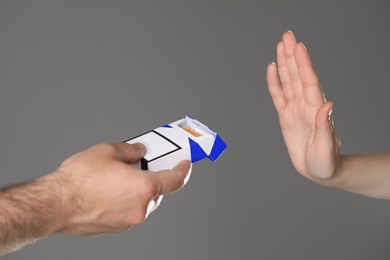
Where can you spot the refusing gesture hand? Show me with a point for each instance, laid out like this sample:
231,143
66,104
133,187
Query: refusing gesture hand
304,114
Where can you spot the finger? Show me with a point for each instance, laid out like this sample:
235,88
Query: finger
323,135
289,43
275,88
283,73
323,120
153,204
311,85
129,153
169,181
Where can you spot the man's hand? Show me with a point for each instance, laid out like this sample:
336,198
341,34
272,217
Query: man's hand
106,194
95,191
304,114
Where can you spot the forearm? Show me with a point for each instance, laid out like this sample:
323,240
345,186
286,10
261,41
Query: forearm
92,192
367,174
29,212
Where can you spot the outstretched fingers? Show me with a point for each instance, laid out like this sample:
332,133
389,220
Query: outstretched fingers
275,88
311,86
284,73
289,43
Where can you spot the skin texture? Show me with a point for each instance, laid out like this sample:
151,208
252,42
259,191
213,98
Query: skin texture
92,192
303,112
308,130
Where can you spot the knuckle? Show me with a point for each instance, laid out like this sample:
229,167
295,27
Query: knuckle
103,146
134,217
106,147
139,217
149,189
295,77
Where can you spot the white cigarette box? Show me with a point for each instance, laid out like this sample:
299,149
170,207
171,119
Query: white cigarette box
184,139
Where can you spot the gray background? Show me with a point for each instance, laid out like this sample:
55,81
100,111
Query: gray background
76,73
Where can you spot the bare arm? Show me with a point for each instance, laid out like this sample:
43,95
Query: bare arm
308,131
92,192
366,174
28,212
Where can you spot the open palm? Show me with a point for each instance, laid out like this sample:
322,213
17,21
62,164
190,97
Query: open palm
304,114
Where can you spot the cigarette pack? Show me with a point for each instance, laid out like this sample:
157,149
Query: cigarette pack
184,139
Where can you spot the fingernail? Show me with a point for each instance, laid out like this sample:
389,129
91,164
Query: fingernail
139,146
331,109
304,46
269,66
291,32
186,163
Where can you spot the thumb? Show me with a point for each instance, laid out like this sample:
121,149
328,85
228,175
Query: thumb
323,133
323,123
129,153
173,180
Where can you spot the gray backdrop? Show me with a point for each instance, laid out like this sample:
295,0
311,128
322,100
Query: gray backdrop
76,73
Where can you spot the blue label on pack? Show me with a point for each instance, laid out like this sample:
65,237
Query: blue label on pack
197,152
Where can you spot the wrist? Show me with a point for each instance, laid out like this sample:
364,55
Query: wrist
337,178
59,199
